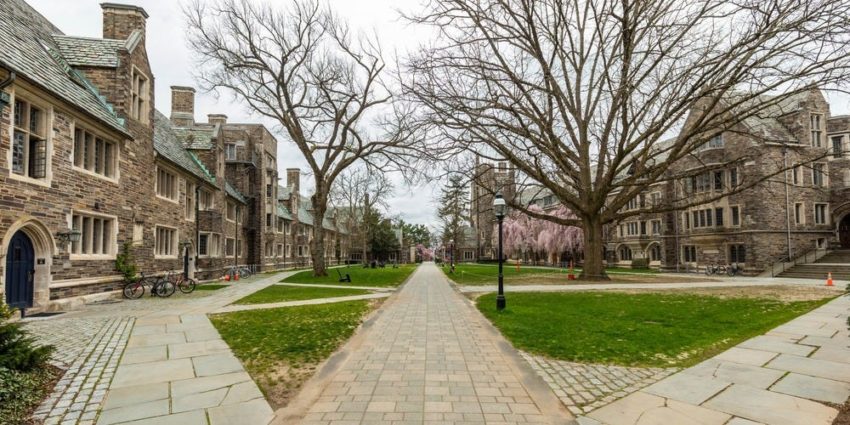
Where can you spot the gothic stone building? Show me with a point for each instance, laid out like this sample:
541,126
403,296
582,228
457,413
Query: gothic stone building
84,152
761,225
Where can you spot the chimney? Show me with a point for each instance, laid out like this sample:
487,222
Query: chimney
293,180
217,119
120,20
503,166
182,106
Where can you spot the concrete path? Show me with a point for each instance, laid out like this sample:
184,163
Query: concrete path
176,369
428,357
780,378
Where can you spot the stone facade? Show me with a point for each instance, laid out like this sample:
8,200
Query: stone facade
84,151
488,181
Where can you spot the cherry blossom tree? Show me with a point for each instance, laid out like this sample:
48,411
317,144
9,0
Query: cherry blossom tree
525,235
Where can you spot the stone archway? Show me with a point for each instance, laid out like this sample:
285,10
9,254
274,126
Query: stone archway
43,246
841,215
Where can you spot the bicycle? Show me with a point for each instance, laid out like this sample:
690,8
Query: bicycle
159,287
711,269
185,284
734,269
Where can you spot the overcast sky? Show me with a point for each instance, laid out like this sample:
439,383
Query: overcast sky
172,65
171,61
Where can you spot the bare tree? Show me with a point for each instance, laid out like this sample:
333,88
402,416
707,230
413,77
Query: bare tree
360,191
594,100
302,68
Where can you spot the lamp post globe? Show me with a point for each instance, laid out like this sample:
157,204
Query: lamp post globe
500,208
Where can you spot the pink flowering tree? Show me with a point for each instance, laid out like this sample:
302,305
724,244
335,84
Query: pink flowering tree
426,253
529,237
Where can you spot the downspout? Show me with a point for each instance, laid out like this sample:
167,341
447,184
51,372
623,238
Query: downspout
236,247
197,222
787,199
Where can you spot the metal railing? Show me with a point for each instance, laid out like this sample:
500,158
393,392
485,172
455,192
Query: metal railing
807,257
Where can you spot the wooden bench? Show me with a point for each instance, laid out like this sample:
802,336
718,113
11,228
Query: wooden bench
346,278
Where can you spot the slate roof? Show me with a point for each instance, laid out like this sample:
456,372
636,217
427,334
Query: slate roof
84,51
235,194
168,144
283,193
283,212
27,47
199,137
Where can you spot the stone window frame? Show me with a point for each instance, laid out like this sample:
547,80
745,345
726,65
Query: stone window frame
47,109
686,253
176,183
816,129
732,216
213,245
111,239
230,206
175,238
624,251
138,232
740,251
842,144
229,247
189,207
797,175
824,174
139,99
826,218
651,251
228,148
115,159
800,216
288,250
205,195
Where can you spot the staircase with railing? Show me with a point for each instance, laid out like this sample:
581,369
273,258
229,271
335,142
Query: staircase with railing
816,264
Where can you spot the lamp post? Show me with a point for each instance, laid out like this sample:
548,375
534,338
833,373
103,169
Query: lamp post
452,256
500,209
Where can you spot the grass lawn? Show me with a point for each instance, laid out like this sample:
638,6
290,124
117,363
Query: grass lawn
386,277
280,293
648,329
210,287
281,347
487,274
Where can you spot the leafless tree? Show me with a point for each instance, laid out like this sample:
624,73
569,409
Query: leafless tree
359,191
594,100
303,68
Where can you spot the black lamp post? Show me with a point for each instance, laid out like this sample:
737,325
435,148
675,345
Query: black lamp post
500,209
452,256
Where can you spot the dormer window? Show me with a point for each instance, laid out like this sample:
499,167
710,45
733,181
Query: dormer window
816,125
139,95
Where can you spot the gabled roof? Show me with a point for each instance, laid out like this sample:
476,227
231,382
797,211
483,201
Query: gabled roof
84,51
283,212
27,47
235,194
283,193
168,144
199,137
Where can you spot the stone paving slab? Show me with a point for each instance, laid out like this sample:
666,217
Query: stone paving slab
773,379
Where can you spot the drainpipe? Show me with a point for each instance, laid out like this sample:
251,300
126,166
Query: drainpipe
236,245
787,200
197,221
4,97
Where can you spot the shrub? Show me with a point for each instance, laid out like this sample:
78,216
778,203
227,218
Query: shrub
20,392
18,351
125,264
640,263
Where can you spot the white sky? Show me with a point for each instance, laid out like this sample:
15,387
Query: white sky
171,61
172,64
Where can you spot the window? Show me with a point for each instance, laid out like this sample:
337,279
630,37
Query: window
29,140
690,253
700,183
687,220
818,175
231,211
656,227
820,214
190,201
736,215
97,234
715,141
139,95
718,180
288,227
733,177
655,253
655,198
205,199
799,214
166,242
279,250
837,148
797,175
289,250
166,184
239,249
138,233
467,255
625,253
643,228
301,250
94,154
269,250
816,125
718,217
229,246
737,254
280,225
268,220
209,244
268,190
230,151
632,204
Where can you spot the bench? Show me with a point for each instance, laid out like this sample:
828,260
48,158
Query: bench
346,278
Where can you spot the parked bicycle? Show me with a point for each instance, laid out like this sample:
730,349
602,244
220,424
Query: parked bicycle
159,287
711,269
185,284
242,271
734,269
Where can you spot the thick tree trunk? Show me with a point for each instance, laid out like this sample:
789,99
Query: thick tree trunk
594,251
317,246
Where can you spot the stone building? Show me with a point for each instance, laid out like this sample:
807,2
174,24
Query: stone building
488,181
85,155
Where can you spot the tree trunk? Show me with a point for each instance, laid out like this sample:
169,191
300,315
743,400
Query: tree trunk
317,246
594,251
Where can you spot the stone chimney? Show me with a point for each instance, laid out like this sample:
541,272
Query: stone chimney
120,20
182,106
219,119
293,180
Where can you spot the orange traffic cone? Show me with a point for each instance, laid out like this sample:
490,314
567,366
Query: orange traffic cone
829,279
572,275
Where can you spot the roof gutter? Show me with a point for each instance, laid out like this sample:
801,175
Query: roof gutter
4,97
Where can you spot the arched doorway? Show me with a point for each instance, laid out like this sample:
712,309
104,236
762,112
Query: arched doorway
844,232
20,270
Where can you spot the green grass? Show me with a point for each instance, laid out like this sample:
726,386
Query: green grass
210,287
281,293
281,347
635,329
487,274
378,277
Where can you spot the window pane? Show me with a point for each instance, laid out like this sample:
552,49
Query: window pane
18,148
38,158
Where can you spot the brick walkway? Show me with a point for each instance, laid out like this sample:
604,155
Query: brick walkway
428,357
584,387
